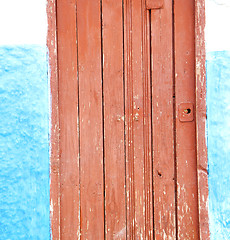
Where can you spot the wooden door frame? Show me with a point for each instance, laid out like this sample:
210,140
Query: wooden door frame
202,162
202,158
54,120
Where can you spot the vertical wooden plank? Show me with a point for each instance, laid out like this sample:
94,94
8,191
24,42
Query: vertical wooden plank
68,112
163,122
54,135
162,103
147,122
128,63
138,145
115,209
91,122
202,160
138,121
187,199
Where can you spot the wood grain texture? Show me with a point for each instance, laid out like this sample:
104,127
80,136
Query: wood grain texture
113,91
163,122
187,199
54,134
147,124
68,112
128,56
138,122
202,160
91,119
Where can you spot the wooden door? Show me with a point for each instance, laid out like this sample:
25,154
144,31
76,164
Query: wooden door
128,160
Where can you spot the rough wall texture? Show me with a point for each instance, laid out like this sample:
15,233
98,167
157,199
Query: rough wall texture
24,121
24,143
218,124
218,107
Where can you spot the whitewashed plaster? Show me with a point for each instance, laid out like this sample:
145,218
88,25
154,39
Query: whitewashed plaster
217,25
23,22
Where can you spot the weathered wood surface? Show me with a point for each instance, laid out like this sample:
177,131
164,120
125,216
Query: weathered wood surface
202,160
163,122
54,132
90,119
138,121
128,165
154,4
114,137
186,163
68,114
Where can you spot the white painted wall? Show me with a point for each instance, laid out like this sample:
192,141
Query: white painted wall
23,22
217,25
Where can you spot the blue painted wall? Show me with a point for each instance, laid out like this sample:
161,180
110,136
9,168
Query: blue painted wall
218,117
24,143
218,112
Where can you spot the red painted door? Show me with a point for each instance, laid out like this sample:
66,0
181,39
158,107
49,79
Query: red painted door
127,119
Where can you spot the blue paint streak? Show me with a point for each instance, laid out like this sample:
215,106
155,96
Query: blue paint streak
218,111
24,143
